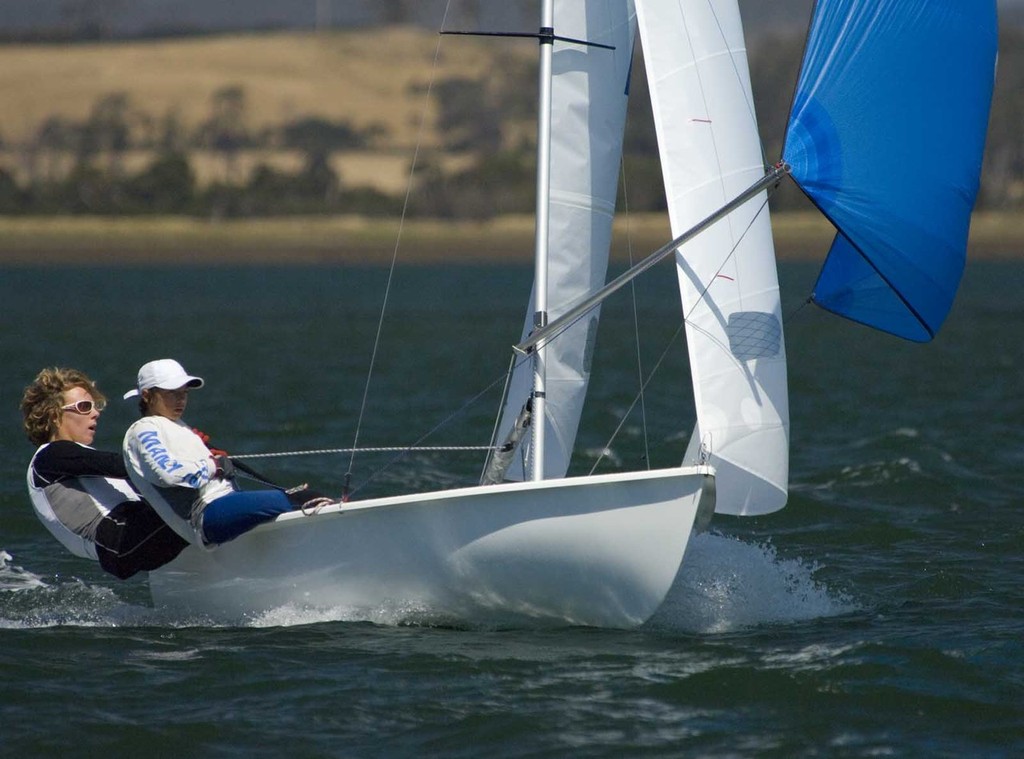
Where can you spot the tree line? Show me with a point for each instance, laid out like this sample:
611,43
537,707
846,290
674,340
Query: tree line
485,120
79,167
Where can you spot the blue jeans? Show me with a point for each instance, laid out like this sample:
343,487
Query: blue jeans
231,515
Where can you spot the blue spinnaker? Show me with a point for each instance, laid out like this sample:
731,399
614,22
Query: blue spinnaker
886,137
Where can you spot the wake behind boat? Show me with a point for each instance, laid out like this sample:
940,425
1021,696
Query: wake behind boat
886,136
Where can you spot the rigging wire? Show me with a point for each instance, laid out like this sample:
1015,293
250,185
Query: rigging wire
636,317
739,78
686,318
416,445
637,398
368,449
404,450
394,254
513,363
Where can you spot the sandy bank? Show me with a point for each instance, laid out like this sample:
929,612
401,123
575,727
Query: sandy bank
357,240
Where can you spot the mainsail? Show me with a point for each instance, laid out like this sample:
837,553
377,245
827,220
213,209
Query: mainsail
710,152
886,137
588,94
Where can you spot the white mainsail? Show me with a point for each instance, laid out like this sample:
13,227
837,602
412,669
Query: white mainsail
588,104
710,152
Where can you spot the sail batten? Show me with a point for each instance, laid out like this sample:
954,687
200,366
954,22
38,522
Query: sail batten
886,137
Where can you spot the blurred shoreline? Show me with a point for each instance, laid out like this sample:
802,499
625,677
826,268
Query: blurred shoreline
353,240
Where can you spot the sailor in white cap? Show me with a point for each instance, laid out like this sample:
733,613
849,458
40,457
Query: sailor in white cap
166,374
191,488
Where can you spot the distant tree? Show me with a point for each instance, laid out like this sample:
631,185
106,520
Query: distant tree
107,130
500,183
88,190
468,119
55,138
167,185
267,193
12,198
513,88
368,202
374,134
271,192
220,201
1002,180
171,136
318,181
226,131
314,134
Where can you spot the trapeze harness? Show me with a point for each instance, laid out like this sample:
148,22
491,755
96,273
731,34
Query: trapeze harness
82,496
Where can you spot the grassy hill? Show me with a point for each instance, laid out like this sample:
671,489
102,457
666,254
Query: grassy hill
366,77
374,80
363,77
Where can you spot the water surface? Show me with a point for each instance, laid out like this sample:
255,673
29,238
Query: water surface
879,614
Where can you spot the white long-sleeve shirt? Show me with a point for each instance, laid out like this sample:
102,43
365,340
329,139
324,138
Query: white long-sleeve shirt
172,468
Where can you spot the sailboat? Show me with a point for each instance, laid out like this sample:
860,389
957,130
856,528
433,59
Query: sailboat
885,136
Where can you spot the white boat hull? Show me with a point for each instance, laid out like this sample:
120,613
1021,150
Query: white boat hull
601,550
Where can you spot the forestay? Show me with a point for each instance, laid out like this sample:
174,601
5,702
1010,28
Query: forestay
710,152
886,137
588,93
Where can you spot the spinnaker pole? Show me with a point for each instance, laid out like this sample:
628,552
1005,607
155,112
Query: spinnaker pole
534,342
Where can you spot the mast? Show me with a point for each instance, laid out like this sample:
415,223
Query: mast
546,38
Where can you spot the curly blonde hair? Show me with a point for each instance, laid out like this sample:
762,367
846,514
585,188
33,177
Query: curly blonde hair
42,400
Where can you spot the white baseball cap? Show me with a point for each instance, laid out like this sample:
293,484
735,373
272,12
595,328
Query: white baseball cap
166,374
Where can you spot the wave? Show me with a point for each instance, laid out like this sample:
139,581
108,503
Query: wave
15,579
29,601
726,584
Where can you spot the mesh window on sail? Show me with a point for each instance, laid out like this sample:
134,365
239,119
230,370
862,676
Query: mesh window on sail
754,334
